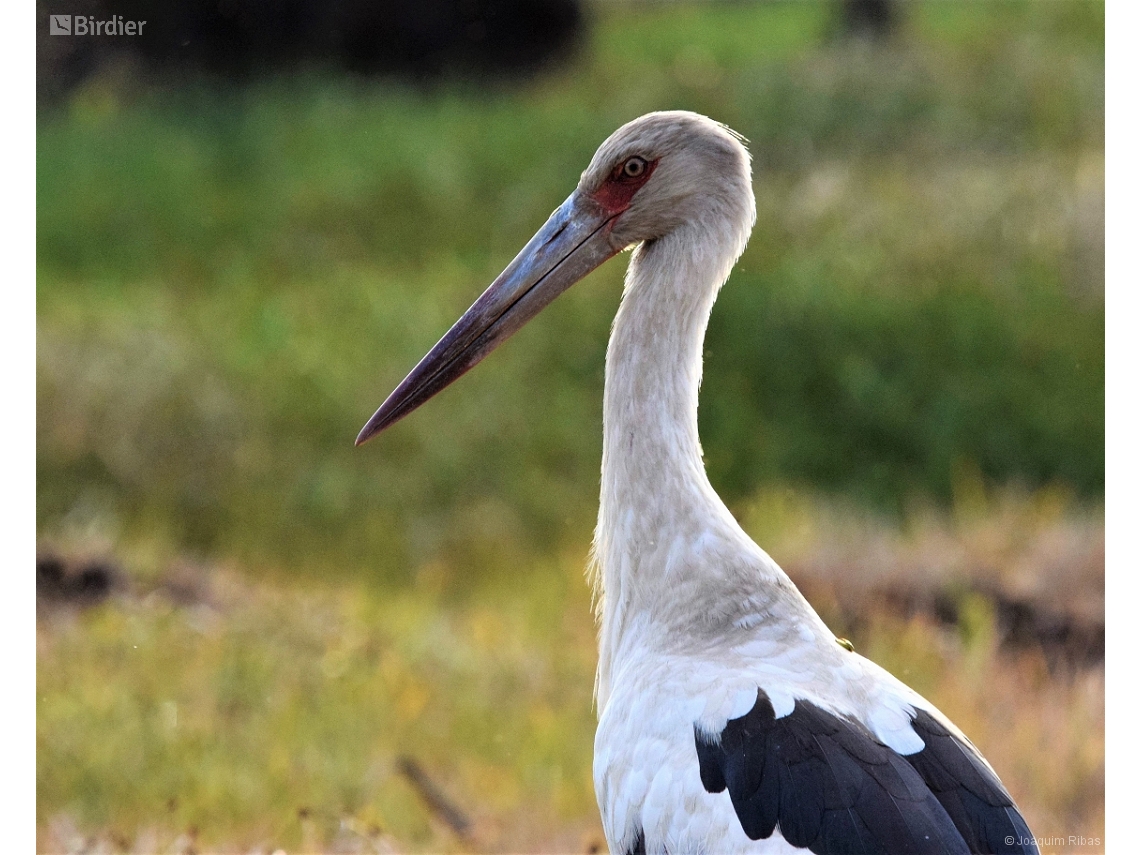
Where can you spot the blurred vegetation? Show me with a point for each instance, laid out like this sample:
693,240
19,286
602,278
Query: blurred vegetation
267,716
231,280
202,710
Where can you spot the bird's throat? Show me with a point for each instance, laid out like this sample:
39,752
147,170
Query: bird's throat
651,449
653,475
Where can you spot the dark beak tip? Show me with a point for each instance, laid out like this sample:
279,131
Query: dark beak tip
370,430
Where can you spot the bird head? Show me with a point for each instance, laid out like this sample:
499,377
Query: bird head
670,170
655,175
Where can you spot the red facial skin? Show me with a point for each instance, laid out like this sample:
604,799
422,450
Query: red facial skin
616,194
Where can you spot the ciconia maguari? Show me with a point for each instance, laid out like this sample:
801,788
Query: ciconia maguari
730,719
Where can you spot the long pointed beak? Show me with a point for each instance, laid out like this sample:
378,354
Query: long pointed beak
575,240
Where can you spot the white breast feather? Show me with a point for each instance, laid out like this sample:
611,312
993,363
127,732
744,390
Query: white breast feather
646,770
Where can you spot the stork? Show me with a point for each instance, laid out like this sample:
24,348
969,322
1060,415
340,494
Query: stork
730,719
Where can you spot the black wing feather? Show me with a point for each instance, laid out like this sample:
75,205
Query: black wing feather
975,799
830,786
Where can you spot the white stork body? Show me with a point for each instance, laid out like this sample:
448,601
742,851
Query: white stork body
731,720
695,617
646,773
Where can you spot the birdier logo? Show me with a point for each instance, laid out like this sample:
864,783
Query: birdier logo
82,25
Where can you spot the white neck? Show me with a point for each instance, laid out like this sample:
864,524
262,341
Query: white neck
651,454
654,485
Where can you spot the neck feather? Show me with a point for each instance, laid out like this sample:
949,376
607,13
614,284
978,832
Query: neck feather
657,504
651,449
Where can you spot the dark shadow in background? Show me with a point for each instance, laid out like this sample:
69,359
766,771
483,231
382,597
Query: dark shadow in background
419,40
235,39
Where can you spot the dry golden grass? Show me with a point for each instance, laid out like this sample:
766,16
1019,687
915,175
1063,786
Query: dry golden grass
204,711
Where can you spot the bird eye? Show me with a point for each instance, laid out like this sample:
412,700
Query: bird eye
634,167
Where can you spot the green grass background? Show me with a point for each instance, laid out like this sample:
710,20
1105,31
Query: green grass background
231,280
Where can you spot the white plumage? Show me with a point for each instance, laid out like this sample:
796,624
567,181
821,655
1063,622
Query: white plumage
731,720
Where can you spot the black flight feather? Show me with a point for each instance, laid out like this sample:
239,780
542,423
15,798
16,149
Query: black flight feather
831,787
